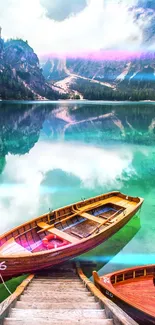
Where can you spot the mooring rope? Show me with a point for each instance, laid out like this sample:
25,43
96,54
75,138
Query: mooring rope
5,284
3,267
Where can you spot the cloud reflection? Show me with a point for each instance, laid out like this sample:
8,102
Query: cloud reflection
24,189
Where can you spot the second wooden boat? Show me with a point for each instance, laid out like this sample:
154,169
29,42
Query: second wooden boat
64,233
133,290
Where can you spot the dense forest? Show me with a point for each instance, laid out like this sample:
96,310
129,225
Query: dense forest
10,88
92,91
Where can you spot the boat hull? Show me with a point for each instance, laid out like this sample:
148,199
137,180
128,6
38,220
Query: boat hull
139,316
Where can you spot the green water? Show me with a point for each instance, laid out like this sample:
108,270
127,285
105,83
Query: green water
53,154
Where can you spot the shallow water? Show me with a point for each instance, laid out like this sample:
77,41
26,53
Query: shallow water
53,154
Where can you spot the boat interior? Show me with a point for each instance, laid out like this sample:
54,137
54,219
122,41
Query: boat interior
137,287
68,225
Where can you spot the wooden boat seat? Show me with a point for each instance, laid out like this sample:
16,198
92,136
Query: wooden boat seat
43,225
96,219
92,218
58,232
112,199
64,235
126,204
11,247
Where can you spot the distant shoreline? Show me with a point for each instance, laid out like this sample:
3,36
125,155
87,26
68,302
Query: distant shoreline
83,101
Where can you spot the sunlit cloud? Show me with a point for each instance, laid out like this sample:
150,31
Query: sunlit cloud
83,26
120,30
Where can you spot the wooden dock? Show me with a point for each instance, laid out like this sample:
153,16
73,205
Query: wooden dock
64,296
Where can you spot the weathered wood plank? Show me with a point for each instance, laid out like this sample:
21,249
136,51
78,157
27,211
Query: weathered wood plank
58,305
56,289
67,297
60,285
90,217
112,311
11,300
64,235
61,314
40,321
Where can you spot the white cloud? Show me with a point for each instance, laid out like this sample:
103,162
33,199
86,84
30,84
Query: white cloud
22,200
97,26
120,30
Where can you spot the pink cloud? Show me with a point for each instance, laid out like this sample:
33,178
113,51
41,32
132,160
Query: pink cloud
98,55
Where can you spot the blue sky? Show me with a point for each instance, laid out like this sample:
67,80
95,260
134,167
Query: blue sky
73,26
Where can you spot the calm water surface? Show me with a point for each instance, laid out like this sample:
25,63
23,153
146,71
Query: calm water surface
53,154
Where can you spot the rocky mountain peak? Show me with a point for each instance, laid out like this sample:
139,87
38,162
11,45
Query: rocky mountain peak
20,73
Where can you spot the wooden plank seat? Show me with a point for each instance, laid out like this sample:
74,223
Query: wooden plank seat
43,226
126,204
11,247
58,232
92,218
110,200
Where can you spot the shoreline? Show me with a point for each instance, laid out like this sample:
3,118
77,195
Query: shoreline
71,101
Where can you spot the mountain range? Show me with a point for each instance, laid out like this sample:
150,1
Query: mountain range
98,76
23,76
129,78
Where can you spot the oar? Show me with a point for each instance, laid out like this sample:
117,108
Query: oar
103,223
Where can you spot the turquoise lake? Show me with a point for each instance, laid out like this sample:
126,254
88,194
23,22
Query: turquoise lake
53,154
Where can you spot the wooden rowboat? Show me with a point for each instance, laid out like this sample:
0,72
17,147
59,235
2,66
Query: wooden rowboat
131,289
64,233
